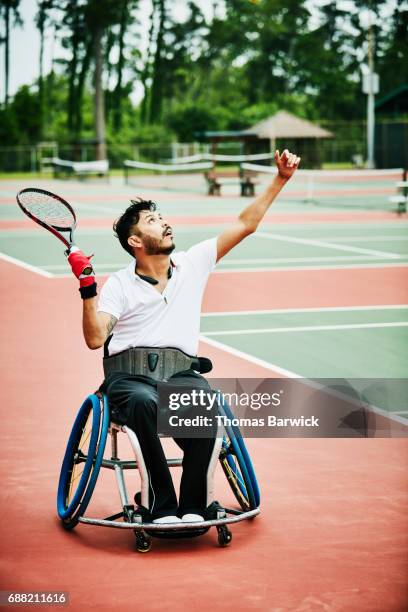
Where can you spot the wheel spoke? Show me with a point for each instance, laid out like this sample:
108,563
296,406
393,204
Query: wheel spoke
74,477
233,476
88,433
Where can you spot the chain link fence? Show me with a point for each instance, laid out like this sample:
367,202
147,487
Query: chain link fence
346,149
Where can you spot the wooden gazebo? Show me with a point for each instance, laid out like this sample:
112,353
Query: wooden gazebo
280,130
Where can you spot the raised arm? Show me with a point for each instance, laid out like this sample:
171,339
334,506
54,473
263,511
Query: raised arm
251,216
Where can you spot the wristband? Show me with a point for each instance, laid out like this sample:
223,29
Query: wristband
89,291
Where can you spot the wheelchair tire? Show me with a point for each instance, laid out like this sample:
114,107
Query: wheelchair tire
237,465
86,445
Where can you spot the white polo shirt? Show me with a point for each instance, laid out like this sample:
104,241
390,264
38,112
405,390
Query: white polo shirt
149,318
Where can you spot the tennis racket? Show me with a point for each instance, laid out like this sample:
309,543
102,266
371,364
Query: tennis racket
51,212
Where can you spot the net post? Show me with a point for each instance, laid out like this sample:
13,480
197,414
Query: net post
309,193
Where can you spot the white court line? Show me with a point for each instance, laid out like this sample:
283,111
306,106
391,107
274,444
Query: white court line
248,357
234,262
266,260
395,264
369,238
327,245
304,328
369,225
289,374
305,310
103,271
26,266
205,227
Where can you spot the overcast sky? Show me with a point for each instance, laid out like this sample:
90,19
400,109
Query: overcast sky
25,41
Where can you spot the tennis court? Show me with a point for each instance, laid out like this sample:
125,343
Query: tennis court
321,291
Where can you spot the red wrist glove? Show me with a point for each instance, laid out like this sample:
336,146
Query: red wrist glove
81,267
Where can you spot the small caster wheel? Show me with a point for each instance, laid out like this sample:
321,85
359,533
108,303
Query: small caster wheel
224,536
143,542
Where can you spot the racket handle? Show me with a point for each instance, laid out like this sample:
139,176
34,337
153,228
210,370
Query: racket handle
72,249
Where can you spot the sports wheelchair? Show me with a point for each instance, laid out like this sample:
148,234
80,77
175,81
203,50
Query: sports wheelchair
84,457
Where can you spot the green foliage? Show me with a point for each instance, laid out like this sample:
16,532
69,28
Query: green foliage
392,63
227,73
10,130
22,117
190,119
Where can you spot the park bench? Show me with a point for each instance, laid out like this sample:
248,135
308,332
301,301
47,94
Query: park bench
245,178
80,169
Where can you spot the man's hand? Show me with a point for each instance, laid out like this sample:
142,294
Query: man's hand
286,163
83,270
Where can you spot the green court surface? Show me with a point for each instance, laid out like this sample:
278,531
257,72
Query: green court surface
354,343
270,248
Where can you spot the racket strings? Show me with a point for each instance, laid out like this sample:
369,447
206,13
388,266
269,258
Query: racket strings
48,209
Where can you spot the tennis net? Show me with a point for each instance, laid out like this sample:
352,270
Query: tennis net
234,159
186,176
337,188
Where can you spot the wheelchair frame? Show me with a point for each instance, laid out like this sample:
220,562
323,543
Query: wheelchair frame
71,506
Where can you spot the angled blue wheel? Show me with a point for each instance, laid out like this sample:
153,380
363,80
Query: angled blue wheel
82,460
237,465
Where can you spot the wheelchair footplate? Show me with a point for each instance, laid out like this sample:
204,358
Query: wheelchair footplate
143,530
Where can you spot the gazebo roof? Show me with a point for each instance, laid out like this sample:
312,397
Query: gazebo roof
286,125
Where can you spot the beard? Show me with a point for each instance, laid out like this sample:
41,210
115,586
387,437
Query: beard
154,247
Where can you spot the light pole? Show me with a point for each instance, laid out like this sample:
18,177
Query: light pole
370,87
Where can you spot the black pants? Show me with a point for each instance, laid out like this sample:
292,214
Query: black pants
133,402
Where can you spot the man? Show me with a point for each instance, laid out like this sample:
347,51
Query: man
155,302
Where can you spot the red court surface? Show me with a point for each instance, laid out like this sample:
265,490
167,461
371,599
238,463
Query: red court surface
333,530
305,289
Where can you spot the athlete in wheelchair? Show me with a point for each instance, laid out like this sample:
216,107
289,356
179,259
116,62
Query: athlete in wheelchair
148,319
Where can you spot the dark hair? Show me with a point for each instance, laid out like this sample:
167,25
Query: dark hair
123,225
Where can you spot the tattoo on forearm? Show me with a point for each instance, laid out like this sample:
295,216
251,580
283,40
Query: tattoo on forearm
111,324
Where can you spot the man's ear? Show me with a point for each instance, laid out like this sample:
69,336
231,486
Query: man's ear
134,242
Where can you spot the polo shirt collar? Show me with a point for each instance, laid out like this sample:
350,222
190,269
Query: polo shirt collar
132,270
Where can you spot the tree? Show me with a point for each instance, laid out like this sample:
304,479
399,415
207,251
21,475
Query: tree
99,15
42,20
9,9
392,58
173,62
158,74
76,38
326,65
125,20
